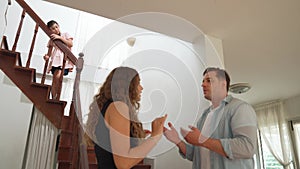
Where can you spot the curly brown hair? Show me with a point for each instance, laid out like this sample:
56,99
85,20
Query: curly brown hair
120,85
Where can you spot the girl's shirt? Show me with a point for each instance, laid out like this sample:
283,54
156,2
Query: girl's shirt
57,56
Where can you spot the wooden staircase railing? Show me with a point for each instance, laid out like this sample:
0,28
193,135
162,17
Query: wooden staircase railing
44,27
40,24
25,77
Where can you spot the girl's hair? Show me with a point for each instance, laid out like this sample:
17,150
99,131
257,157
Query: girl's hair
120,85
51,23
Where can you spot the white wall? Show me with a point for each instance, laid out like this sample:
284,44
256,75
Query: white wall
15,118
3,6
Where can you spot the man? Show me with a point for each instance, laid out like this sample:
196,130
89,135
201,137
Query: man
225,136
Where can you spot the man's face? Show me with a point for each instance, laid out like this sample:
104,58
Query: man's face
213,87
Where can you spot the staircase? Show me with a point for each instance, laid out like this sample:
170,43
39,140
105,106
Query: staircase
24,78
38,93
68,152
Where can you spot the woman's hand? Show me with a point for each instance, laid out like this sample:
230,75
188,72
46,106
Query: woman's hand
158,126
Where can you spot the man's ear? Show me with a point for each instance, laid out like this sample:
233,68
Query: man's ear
224,83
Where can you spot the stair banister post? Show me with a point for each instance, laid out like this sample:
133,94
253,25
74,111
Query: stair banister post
32,45
50,47
76,93
83,161
4,44
19,31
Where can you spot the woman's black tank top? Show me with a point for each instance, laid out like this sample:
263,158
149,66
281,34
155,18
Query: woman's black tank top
103,146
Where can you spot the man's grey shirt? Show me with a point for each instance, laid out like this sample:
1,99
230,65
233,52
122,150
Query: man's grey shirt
237,131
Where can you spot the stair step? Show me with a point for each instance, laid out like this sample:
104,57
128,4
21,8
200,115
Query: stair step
65,154
93,166
14,57
66,123
66,139
92,159
30,72
64,165
42,90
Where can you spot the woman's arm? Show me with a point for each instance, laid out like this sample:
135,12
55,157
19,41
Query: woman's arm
118,121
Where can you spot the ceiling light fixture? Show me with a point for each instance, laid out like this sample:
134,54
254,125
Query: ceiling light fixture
239,88
131,41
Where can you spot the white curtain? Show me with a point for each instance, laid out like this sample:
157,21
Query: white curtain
297,139
41,143
274,131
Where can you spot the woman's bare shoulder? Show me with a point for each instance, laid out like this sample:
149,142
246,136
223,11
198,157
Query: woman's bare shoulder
118,108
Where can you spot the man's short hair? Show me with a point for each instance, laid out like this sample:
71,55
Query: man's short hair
221,73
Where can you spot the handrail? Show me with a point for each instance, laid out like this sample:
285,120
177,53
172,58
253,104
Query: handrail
44,27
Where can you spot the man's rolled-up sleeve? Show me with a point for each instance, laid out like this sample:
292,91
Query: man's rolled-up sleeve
244,130
189,152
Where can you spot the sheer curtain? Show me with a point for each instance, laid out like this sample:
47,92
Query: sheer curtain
40,151
274,131
296,126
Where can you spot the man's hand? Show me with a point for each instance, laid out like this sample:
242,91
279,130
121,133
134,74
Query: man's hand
172,134
191,136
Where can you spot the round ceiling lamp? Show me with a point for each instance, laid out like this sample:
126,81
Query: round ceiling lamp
131,41
239,88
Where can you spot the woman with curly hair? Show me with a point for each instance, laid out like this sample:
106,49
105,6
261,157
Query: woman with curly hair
113,126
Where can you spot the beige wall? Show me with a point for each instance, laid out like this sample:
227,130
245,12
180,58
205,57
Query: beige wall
292,107
15,118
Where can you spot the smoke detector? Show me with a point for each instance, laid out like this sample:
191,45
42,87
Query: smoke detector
239,88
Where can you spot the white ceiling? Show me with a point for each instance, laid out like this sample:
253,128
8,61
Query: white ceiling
261,39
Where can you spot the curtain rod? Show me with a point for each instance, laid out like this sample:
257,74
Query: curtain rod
267,103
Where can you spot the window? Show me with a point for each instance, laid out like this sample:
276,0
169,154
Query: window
295,133
275,143
267,159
